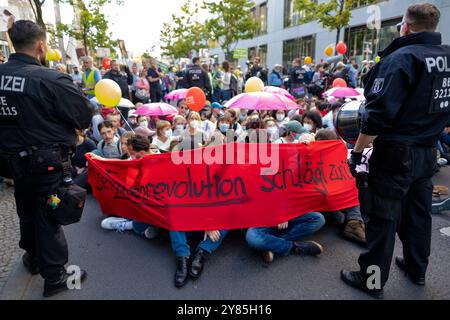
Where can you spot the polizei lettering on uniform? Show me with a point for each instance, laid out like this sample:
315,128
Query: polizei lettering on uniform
440,63
12,83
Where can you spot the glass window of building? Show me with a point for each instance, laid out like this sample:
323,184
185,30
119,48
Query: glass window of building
363,3
292,16
364,44
259,14
298,48
260,51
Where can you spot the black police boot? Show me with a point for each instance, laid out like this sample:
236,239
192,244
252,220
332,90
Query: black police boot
197,264
52,287
30,263
181,275
418,280
353,279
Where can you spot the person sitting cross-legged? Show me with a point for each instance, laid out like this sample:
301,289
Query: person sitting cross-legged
285,238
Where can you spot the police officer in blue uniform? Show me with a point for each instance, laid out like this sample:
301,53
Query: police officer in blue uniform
197,77
39,112
408,105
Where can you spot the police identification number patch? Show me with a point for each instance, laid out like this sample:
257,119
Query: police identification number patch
440,98
9,112
378,85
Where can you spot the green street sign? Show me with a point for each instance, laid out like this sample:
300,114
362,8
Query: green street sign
240,53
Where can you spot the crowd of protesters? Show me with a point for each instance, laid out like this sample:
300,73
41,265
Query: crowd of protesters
125,136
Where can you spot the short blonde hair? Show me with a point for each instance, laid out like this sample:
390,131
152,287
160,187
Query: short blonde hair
194,116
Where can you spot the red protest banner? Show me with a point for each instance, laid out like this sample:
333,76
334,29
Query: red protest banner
226,187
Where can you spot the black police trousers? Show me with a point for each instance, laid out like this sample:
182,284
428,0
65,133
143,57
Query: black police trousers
41,237
398,200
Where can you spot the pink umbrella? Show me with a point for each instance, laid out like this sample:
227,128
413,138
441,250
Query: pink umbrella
261,101
341,93
177,94
156,109
281,91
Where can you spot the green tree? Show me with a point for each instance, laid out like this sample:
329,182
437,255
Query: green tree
332,15
231,21
183,33
93,25
36,7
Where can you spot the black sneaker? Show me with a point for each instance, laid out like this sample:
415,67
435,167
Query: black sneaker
52,288
353,279
440,204
418,280
30,263
311,248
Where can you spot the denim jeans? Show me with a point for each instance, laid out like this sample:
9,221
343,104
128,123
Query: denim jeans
181,247
353,213
140,227
280,242
226,95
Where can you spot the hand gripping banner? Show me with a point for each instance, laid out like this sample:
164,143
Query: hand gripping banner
226,187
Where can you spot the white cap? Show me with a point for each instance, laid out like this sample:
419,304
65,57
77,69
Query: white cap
132,113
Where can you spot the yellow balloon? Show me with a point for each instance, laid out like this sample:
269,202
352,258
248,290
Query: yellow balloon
51,55
58,54
329,51
108,93
308,60
377,59
254,84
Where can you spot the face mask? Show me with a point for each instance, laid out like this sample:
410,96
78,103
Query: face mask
272,130
308,127
194,124
143,124
180,127
297,136
255,117
223,127
242,117
168,133
280,117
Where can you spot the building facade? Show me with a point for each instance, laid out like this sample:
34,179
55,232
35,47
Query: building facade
281,38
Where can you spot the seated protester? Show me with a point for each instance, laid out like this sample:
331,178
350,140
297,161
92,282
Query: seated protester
234,115
179,125
109,147
281,118
142,128
284,239
444,143
217,111
124,145
193,137
138,147
312,121
328,119
351,218
182,107
193,266
272,129
222,134
115,120
93,133
164,137
292,133
79,162
207,125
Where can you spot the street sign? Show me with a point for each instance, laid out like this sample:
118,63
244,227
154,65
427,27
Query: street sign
240,53
103,52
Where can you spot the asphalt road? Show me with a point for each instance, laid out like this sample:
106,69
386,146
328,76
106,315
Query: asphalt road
125,266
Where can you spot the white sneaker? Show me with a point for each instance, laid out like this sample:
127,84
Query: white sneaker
119,224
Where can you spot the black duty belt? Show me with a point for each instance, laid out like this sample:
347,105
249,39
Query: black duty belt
419,144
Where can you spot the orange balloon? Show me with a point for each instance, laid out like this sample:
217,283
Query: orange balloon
341,48
329,51
339,82
195,99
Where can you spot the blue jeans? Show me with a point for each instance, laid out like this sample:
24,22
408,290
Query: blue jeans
181,247
353,213
445,139
280,242
140,227
216,95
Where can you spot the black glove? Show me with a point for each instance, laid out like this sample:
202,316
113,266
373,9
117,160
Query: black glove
354,161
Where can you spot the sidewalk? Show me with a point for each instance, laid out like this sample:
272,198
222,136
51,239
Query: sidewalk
124,266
